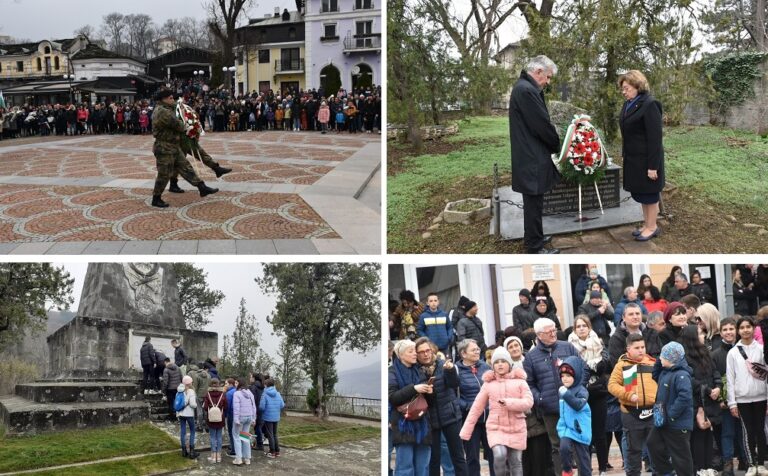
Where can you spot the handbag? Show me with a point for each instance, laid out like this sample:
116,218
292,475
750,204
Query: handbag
659,415
702,422
414,409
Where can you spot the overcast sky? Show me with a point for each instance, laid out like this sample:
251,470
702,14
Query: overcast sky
56,19
236,281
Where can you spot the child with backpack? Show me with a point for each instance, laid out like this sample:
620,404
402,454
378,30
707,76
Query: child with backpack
574,427
215,406
270,406
670,438
185,405
747,389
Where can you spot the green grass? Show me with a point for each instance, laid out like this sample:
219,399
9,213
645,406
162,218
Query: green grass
728,168
53,449
308,432
146,465
428,173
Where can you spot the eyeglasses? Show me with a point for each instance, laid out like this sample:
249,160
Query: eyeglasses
424,352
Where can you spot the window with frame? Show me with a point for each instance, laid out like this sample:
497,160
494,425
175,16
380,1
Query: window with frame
56,64
39,64
290,59
263,56
363,4
20,66
330,6
329,31
47,50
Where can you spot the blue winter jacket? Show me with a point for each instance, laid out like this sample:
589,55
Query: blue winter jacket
618,311
230,406
675,391
443,401
470,383
575,415
541,366
271,404
437,326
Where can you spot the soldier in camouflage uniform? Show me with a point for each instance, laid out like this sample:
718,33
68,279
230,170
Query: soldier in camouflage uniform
207,160
168,131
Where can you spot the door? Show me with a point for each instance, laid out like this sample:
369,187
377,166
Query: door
708,275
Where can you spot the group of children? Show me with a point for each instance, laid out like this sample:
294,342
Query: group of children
241,407
656,401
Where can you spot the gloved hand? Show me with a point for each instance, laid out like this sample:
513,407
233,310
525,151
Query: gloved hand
562,390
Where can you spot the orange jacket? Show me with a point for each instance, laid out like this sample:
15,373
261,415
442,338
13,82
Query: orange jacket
645,389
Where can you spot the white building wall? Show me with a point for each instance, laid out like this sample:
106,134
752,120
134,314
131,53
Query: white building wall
91,69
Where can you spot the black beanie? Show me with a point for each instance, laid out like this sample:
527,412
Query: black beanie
462,301
469,305
525,292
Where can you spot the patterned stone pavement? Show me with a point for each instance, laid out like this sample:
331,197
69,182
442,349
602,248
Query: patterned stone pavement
288,193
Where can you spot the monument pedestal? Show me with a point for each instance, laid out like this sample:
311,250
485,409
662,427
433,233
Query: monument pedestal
94,370
561,208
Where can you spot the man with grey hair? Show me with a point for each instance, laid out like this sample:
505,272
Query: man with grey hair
544,381
534,139
630,295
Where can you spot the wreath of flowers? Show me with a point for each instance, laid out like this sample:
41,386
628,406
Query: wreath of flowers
583,157
194,128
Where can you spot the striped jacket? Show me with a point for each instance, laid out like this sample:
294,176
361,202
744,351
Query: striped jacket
437,326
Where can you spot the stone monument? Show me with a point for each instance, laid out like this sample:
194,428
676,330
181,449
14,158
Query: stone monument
93,371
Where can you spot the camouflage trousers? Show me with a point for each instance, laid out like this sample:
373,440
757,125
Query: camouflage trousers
198,152
171,164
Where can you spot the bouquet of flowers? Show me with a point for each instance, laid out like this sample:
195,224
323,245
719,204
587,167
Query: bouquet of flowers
583,157
191,120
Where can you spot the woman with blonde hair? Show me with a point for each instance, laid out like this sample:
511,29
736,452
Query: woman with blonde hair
708,319
642,150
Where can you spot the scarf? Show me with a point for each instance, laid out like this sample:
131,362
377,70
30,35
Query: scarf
410,376
590,349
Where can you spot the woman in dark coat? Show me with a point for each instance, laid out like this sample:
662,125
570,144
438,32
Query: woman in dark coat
640,122
676,321
743,295
412,438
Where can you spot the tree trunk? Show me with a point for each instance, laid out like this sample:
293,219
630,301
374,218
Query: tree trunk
321,411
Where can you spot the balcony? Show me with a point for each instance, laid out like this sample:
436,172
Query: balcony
289,66
362,43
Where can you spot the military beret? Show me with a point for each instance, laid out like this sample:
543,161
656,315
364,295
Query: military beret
163,93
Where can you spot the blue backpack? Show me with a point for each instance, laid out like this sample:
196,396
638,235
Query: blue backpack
179,402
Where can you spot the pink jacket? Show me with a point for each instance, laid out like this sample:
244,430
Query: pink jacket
506,423
324,114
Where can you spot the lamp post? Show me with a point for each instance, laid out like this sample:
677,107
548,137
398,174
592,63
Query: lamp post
70,77
228,70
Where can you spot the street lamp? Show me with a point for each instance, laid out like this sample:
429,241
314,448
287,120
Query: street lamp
230,82
70,77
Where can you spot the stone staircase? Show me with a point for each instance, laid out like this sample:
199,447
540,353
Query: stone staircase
158,409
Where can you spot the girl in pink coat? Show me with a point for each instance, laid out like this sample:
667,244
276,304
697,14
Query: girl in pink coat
507,392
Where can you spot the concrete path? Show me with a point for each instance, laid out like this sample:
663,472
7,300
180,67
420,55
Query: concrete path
289,193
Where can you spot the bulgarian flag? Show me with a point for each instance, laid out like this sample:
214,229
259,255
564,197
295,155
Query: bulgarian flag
245,436
630,378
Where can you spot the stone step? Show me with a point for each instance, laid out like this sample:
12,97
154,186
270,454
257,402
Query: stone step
21,416
70,392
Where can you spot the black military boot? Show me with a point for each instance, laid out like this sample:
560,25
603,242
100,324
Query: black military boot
192,453
175,186
221,170
158,202
205,189
184,452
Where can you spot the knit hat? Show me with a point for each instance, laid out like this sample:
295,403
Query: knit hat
187,380
463,300
673,352
595,295
512,338
469,305
501,354
525,292
671,309
567,369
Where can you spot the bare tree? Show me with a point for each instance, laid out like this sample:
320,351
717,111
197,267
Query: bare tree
86,30
223,16
112,31
137,26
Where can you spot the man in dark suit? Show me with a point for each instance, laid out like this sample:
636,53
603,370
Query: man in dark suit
534,139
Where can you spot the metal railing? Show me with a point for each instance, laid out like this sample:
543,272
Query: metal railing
366,43
296,64
339,405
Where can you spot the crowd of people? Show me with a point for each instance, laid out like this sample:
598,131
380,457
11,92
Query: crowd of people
681,388
290,110
200,400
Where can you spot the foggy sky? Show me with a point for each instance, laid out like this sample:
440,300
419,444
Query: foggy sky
236,280
57,19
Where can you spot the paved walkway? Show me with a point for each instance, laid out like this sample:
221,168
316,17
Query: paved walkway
617,240
289,193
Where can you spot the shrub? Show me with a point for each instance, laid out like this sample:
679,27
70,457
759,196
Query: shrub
15,371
